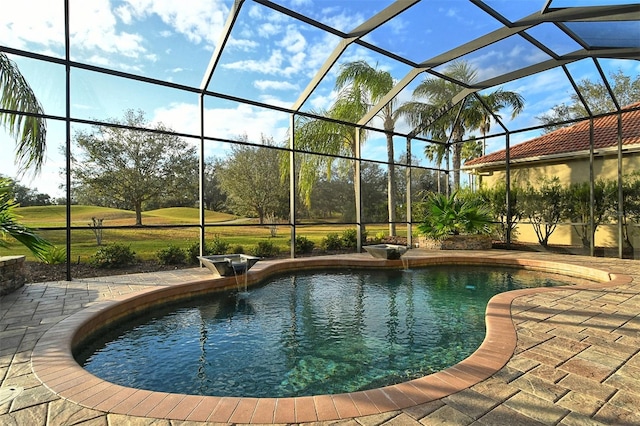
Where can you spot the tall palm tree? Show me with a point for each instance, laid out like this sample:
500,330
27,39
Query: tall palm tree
359,87
371,85
326,137
30,133
436,153
457,121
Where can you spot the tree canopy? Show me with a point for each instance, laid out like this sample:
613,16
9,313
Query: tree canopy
125,166
250,178
625,88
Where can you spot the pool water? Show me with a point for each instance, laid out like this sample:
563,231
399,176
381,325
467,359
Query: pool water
308,333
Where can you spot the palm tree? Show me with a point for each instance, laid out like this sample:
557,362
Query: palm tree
30,132
360,86
325,137
370,85
470,115
436,152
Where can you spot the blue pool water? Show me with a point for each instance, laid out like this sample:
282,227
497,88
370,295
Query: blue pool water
309,333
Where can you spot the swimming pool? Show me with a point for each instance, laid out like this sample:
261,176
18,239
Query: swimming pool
309,333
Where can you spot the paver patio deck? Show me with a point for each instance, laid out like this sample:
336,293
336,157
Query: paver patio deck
576,362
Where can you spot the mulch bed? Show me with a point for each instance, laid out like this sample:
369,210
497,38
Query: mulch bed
41,272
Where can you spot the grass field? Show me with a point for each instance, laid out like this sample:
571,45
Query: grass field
147,241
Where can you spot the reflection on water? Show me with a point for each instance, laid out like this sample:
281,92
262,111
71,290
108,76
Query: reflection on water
312,333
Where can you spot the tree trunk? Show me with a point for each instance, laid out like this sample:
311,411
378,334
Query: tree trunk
457,148
138,207
391,186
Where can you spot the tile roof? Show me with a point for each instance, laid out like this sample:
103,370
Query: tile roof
573,138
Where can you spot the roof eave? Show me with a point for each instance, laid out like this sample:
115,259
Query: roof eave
600,152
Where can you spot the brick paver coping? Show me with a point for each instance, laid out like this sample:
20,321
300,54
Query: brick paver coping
55,366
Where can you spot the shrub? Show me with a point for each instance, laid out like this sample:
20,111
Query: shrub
350,238
304,245
54,255
193,251
331,242
218,246
171,255
113,256
265,249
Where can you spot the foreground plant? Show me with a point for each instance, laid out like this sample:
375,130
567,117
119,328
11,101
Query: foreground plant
449,215
10,227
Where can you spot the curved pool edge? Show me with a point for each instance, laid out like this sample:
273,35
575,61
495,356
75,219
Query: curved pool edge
56,368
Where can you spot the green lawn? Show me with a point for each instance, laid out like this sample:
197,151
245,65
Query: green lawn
147,241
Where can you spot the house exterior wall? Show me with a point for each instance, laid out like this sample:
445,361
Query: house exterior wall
568,171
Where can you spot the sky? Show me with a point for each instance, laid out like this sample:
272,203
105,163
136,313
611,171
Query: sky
269,58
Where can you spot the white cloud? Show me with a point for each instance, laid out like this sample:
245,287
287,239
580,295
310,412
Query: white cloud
200,20
272,65
225,123
300,3
343,22
255,12
268,29
293,40
242,44
275,85
32,21
93,26
124,14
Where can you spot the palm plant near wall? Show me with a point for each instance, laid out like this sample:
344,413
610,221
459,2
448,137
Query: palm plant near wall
447,215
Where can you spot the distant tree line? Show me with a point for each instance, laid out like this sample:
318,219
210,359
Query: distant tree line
25,196
121,166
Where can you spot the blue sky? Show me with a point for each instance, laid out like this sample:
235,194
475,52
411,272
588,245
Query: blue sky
270,58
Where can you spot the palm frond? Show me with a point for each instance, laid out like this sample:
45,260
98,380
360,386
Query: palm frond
9,225
28,130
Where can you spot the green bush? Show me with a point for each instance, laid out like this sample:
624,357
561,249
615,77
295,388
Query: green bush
171,255
113,256
193,251
238,249
304,245
218,246
350,238
54,255
265,249
331,242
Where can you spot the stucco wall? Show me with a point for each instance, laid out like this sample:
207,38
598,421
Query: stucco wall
568,171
